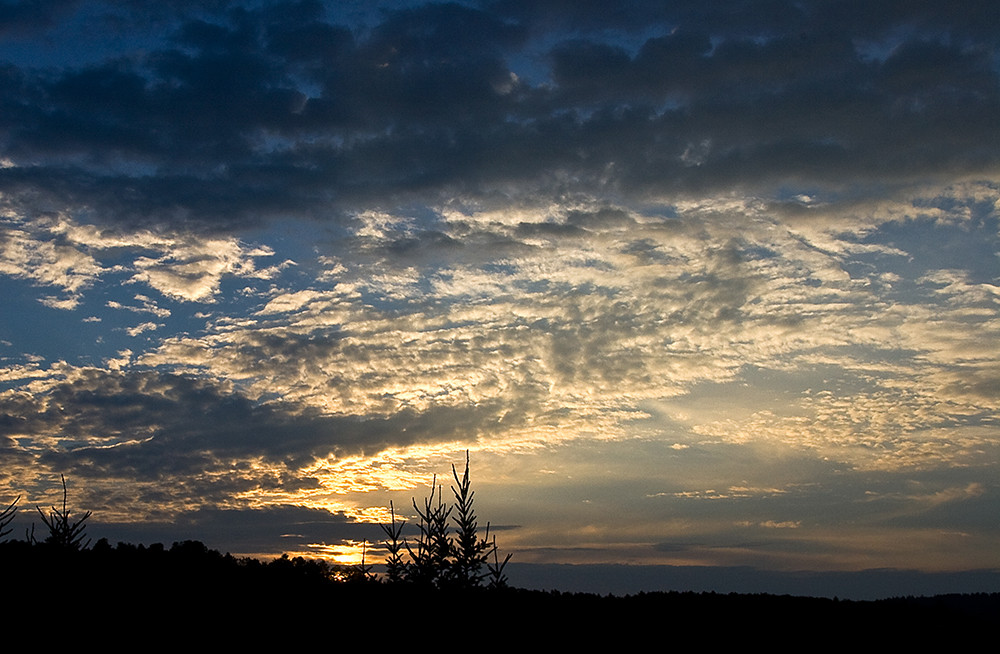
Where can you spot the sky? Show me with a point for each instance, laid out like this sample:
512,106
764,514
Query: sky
700,286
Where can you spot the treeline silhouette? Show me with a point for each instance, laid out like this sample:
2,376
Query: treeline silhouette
190,587
448,586
444,554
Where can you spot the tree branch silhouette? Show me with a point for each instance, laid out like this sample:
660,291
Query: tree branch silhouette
7,515
63,532
437,557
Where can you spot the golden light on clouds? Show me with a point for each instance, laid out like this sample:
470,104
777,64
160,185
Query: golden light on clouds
669,328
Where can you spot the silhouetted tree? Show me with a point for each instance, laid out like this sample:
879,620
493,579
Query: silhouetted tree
357,573
63,532
395,566
469,551
7,515
496,575
429,558
436,557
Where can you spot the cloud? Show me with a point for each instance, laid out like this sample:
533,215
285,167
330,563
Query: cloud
404,112
146,427
148,306
38,251
290,301
191,269
745,236
587,315
143,327
20,19
289,527
241,531
63,253
603,316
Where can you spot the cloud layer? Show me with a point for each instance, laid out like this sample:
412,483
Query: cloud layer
722,280
236,114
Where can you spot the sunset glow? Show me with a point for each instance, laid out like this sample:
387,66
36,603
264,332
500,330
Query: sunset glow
694,286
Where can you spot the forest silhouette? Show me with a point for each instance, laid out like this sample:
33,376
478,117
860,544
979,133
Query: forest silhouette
447,583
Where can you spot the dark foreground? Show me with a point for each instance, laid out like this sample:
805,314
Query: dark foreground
136,596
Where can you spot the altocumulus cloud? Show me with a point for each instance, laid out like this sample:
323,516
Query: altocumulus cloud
279,248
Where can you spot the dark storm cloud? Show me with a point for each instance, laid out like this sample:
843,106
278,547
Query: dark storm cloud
24,17
757,17
240,114
149,425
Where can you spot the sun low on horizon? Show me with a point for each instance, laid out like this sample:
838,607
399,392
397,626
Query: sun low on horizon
713,285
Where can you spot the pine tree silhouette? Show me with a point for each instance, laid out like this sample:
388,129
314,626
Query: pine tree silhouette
63,532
